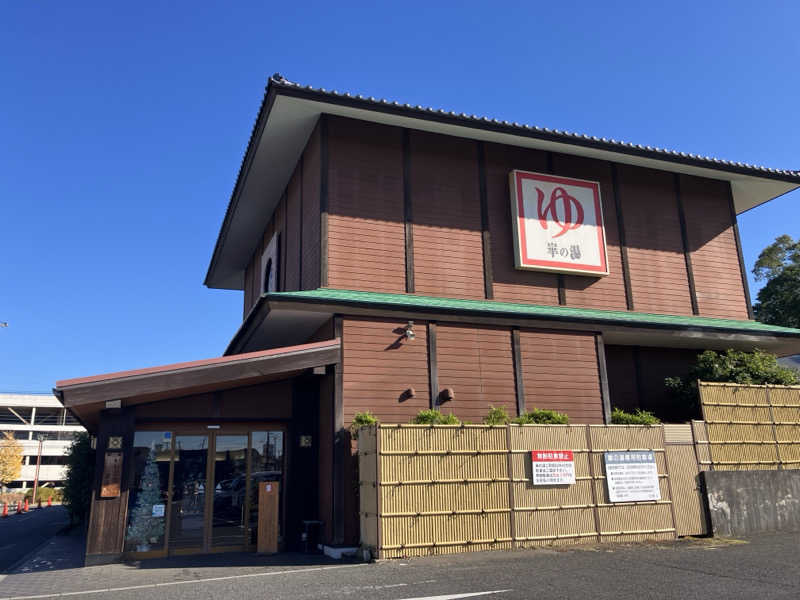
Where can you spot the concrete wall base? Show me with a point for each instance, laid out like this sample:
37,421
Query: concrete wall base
102,559
746,502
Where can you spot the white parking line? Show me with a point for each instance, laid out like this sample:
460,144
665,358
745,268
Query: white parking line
158,585
456,596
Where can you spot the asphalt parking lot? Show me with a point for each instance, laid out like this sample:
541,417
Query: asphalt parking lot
21,534
763,567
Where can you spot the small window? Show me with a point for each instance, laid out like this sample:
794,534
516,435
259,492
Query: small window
269,266
267,275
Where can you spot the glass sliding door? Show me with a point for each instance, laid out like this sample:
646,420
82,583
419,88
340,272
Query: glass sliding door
187,527
230,485
197,491
146,527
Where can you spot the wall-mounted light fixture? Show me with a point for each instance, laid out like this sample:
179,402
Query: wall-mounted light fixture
409,332
446,395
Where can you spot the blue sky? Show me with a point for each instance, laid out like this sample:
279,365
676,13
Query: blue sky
122,128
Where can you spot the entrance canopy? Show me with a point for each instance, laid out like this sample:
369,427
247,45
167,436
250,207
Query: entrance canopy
87,396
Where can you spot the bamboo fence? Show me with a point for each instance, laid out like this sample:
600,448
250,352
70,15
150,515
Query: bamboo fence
750,427
443,489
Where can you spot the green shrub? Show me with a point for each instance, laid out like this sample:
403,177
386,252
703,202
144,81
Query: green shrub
496,416
44,494
77,491
732,366
541,416
640,417
362,419
435,417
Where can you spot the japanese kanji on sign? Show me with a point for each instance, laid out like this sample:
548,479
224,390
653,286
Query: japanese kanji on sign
632,476
553,467
557,224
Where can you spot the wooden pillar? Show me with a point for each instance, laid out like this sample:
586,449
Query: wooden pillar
108,514
341,445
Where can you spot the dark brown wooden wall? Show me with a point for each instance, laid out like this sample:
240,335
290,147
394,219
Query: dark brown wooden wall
297,219
560,372
592,292
367,245
367,241
379,365
623,384
636,379
510,284
311,257
476,362
366,234
448,259
712,242
271,400
293,232
653,236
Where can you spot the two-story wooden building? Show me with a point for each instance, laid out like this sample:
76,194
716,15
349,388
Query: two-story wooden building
395,258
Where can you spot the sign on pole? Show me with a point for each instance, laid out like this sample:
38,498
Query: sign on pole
557,224
632,476
553,467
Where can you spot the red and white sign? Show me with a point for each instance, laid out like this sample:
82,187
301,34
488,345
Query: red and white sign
553,467
558,224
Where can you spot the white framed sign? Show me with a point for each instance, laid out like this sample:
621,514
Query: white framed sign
552,467
632,476
269,266
557,224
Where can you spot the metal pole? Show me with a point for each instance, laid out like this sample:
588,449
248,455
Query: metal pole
38,463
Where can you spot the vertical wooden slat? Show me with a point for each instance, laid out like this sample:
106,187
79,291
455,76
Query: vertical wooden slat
338,443
603,372
323,200
519,382
284,241
433,367
626,273
687,254
735,224
488,276
408,213
302,218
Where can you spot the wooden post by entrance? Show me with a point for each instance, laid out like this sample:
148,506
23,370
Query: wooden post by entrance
268,495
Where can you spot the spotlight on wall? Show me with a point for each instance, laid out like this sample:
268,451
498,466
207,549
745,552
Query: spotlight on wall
409,332
447,395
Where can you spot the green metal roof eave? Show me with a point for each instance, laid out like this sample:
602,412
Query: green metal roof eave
495,308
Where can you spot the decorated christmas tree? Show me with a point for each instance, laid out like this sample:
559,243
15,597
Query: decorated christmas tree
144,528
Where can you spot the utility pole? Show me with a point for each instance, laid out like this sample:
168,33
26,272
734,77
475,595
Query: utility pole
38,464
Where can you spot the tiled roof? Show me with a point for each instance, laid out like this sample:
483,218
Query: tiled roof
566,137
530,311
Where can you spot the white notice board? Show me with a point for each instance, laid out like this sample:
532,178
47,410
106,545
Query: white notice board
632,476
553,467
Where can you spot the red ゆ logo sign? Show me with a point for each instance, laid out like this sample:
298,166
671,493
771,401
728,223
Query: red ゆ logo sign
557,224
